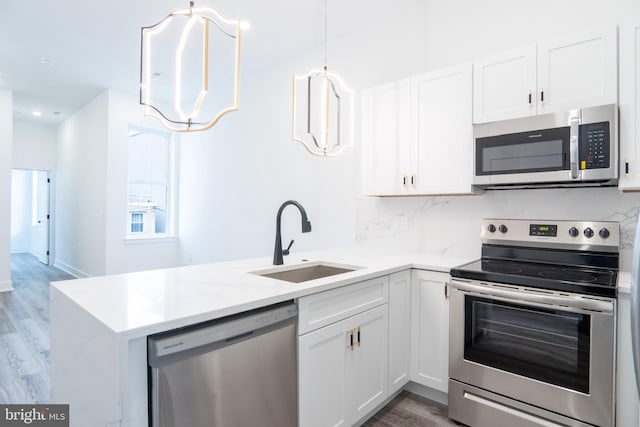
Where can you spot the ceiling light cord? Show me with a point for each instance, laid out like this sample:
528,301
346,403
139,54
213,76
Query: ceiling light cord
325,35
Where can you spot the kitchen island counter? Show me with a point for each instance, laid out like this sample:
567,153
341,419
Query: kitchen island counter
99,325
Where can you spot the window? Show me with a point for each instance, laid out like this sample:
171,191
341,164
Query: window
150,184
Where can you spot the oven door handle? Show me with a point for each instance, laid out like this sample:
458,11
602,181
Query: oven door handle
546,299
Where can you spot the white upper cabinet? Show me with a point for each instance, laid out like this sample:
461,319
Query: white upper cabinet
556,75
418,135
386,138
629,106
577,72
442,131
504,85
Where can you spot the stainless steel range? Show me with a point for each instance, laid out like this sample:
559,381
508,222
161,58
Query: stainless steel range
532,326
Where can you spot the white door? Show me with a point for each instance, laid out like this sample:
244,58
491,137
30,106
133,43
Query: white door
504,85
40,225
577,72
430,330
441,109
630,106
386,138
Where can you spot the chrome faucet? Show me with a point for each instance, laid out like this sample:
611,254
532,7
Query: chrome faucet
306,227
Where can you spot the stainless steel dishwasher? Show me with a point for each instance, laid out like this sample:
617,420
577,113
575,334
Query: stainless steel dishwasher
237,371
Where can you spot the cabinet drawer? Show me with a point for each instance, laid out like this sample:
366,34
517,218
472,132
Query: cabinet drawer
324,308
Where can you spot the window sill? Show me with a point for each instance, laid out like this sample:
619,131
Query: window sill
147,240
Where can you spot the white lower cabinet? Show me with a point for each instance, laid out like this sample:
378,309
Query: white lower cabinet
343,367
399,329
430,329
361,343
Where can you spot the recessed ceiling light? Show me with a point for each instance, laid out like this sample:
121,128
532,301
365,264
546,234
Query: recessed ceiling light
36,113
47,61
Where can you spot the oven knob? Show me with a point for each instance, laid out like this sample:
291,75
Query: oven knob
604,233
588,232
491,228
573,232
502,228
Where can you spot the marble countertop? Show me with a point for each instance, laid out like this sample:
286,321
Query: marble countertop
143,303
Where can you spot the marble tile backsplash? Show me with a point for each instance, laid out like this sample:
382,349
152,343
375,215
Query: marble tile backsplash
450,225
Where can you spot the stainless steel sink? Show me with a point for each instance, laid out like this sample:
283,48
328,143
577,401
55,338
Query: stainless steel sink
298,274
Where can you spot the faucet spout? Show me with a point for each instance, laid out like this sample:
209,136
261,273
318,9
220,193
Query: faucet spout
306,227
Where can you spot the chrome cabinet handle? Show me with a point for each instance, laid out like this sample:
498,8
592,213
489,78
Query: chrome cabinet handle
350,339
357,330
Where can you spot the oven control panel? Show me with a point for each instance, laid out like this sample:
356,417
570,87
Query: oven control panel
588,235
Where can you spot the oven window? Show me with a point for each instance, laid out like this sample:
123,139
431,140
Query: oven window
525,152
547,345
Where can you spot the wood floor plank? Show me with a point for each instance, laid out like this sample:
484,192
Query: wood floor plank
411,410
24,331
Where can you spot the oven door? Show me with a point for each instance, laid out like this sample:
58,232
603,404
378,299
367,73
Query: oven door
554,351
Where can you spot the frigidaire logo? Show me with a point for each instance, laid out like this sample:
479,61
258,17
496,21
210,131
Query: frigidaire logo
170,346
36,415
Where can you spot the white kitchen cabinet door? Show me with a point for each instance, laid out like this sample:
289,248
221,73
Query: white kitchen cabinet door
368,362
577,72
443,131
399,329
430,329
343,369
504,85
386,138
629,106
322,369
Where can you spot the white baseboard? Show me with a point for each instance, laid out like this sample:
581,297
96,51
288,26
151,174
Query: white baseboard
6,286
79,274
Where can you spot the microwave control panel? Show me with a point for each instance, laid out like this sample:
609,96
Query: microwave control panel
594,146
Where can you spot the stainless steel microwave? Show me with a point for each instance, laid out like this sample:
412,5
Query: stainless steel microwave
572,148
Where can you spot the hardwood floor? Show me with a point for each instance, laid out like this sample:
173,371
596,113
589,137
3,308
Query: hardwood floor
411,410
24,331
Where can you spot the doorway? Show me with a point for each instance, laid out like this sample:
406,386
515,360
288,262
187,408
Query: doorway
30,213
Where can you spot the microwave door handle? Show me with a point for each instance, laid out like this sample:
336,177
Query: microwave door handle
574,146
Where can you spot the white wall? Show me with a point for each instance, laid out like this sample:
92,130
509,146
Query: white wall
81,202
125,256
458,31
21,206
34,146
234,177
6,135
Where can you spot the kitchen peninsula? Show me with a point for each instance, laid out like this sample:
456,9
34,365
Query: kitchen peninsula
99,326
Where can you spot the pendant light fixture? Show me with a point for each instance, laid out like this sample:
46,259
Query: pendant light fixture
322,109
181,83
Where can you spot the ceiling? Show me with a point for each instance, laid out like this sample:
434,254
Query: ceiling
57,55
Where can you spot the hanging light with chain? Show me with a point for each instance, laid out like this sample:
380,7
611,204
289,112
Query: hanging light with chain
322,109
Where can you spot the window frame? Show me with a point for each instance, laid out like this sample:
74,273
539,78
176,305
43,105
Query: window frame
171,213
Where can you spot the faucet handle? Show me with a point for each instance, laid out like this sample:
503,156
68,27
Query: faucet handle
286,251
